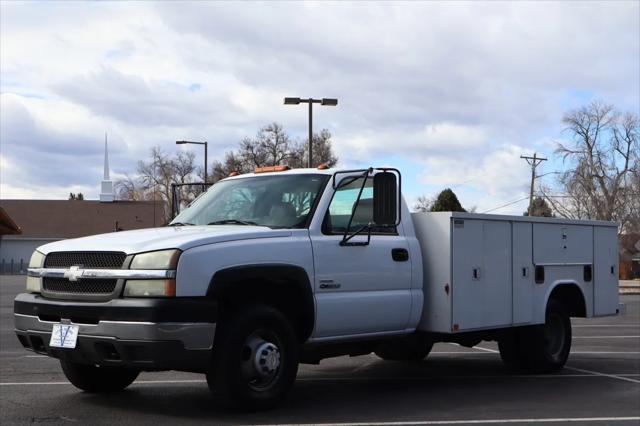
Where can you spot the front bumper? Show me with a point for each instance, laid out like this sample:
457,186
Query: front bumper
148,334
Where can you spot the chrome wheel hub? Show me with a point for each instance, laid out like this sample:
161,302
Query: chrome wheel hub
261,360
267,359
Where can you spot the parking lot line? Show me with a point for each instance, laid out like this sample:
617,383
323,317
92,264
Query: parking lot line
606,337
604,352
476,422
604,325
493,351
469,351
586,374
597,373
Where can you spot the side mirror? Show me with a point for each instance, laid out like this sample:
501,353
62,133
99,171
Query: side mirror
385,199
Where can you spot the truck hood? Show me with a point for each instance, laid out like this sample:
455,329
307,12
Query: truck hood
170,237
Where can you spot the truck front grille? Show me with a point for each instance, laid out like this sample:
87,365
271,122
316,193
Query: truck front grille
85,259
83,289
64,286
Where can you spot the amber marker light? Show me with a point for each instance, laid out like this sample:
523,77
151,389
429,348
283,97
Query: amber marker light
271,169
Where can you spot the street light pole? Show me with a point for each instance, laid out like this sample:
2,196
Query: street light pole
205,143
311,101
310,163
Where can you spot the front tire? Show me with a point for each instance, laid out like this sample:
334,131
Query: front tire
92,379
255,359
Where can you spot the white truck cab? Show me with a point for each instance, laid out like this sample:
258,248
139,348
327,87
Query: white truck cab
269,269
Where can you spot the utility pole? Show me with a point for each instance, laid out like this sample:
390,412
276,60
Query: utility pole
533,162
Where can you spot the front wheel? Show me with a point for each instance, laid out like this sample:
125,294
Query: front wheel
94,379
255,359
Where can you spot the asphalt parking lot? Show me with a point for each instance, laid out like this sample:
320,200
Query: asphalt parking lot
454,385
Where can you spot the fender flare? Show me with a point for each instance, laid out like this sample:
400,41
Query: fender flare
569,283
280,275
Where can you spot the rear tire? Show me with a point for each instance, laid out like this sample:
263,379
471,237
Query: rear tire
415,347
90,378
255,359
510,351
546,347
541,348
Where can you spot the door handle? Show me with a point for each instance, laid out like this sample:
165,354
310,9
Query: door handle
400,254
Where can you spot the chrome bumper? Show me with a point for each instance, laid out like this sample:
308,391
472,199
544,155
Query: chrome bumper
194,336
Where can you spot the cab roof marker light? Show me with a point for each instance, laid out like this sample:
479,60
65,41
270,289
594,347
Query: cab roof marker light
268,169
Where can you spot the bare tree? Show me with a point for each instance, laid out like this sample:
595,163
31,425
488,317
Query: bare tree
322,151
603,159
155,177
272,146
423,204
128,188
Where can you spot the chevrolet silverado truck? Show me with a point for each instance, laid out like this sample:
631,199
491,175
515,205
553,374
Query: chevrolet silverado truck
270,269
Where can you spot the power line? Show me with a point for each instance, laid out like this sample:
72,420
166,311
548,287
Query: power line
505,205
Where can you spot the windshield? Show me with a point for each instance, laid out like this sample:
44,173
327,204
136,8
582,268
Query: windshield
274,201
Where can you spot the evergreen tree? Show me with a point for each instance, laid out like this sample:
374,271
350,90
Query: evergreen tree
539,208
447,202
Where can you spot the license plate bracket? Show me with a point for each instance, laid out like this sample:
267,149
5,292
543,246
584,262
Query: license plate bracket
64,336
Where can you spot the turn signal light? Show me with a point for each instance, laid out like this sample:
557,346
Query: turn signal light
271,169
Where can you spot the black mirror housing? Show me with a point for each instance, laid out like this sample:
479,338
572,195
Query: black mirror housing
385,199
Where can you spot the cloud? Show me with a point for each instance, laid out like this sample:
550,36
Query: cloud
447,90
136,101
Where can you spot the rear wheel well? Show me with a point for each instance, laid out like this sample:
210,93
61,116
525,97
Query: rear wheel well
285,288
571,297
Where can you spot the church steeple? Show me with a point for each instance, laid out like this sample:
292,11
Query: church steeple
106,193
106,158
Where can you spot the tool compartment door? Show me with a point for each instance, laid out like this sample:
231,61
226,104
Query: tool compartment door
482,269
522,273
605,270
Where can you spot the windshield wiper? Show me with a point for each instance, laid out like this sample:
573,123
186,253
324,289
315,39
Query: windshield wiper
232,222
181,224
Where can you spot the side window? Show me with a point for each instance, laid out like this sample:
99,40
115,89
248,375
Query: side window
341,207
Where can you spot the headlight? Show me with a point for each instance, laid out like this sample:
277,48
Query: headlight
34,284
165,259
150,288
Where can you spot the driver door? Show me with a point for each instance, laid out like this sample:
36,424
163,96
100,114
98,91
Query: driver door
359,290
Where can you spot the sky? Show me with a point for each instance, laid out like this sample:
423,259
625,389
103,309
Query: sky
450,93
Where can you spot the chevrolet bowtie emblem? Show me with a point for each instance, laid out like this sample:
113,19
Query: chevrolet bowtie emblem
74,273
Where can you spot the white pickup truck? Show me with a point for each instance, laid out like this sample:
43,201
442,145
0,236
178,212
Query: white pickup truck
269,269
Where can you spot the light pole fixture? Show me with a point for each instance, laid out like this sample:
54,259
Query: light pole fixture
205,153
311,101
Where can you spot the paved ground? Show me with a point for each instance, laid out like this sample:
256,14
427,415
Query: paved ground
600,385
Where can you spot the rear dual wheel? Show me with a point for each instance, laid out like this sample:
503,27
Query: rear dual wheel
539,349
